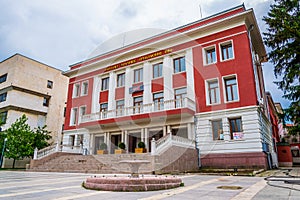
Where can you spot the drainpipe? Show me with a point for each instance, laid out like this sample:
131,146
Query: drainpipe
196,143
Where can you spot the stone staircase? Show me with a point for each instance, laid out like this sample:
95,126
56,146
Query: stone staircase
172,154
62,162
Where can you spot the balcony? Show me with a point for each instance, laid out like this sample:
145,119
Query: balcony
174,104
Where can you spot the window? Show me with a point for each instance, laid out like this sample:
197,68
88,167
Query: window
121,80
76,89
46,101
138,75
82,112
217,130
179,64
158,100
3,78
120,108
213,92
49,84
231,89
157,70
180,94
73,116
3,116
138,104
105,84
210,55
84,88
235,126
103,110
226,51
3,97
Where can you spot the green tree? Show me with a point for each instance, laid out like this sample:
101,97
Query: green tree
41,137
20,139
283,37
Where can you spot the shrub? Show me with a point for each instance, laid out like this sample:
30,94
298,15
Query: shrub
103,146
122,145
141,145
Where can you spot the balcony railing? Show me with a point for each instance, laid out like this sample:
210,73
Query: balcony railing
141,109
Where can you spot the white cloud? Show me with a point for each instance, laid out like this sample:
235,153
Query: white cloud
61,33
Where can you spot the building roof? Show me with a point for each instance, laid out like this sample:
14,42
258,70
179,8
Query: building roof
204,22
18,54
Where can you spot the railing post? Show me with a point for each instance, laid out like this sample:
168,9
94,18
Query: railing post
35,154
153,147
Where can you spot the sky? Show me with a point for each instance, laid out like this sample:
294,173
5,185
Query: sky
63,32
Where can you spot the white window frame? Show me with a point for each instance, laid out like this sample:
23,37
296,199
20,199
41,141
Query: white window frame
207,92
73,121
82,88
221,53
80,113
101,81
75,85
123,72
224,87
204,50
180,55
142,78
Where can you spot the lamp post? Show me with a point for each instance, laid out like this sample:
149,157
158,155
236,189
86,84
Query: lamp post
2,154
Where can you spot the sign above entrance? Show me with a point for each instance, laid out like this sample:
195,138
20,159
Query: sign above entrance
138,59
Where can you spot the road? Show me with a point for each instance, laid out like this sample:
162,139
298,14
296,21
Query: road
64,186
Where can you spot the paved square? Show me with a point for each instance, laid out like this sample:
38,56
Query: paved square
64,186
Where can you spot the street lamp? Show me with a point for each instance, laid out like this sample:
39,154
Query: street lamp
2,154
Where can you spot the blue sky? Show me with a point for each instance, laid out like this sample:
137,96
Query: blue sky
63,32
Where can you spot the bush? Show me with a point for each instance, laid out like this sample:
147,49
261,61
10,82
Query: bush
122,145
141,145
103,146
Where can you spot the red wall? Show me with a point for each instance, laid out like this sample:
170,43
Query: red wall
78,101
241,65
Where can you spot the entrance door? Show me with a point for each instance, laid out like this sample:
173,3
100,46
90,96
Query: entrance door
115,141
133,140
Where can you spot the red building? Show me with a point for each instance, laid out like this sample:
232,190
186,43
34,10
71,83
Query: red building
199,84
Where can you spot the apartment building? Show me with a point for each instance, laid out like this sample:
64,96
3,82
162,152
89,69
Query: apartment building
200,82
35,89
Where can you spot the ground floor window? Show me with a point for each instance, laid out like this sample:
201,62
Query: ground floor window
235,126
217,129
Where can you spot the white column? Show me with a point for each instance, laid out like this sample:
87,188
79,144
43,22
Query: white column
108,142
92,144
190,74
76,140
142,135
164,130
95,107
167,74
226,129
126,140
147,71
128,84
189,130
169,130
146,135
111,91
153,146
122,136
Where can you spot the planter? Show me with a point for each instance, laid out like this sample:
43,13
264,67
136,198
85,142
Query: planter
102,151
140,150
119,151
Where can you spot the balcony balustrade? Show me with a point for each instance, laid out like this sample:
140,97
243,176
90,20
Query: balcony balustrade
141,109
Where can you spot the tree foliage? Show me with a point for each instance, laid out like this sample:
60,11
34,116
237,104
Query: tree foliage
283,37
22,140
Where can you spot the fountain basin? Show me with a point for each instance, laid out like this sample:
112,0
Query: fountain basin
128,184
